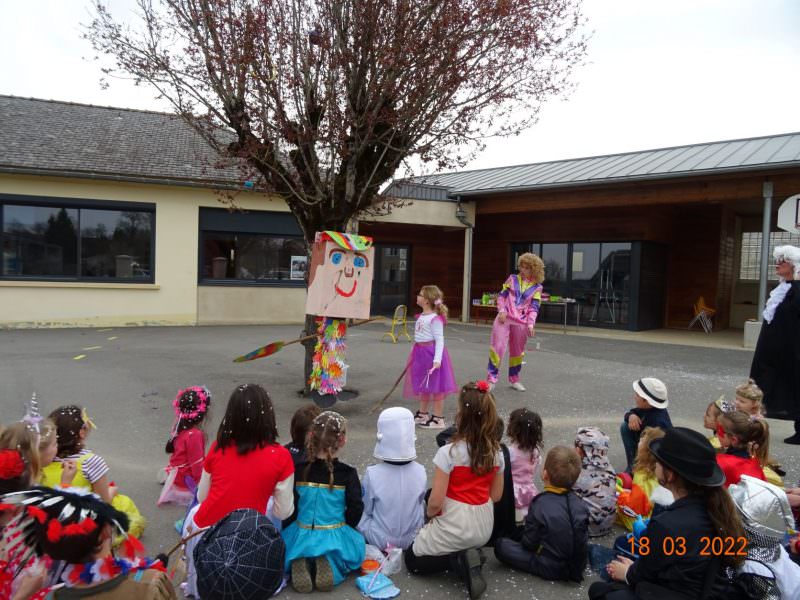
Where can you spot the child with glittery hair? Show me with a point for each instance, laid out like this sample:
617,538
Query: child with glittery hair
322,542
73,426
186,445
243,468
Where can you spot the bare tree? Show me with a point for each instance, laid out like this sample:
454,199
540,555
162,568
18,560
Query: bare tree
323,100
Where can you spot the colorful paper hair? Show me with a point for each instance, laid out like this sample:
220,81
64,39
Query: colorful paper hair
347,241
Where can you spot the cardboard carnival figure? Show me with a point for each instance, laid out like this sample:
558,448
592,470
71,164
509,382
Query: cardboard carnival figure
339,288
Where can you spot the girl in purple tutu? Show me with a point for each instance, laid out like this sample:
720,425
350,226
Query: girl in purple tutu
429,372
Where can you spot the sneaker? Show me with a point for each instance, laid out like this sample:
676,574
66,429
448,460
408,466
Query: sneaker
420,418
491,386
434,423
301,578
793,439
324,576
471,563
518,386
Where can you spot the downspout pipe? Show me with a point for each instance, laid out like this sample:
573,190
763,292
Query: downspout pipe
461,215
766,226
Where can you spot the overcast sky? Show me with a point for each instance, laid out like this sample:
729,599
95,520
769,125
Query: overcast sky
659,73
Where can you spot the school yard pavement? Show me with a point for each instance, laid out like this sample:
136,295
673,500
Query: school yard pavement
127,378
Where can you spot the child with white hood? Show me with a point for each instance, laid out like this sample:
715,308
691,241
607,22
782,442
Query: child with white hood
394,490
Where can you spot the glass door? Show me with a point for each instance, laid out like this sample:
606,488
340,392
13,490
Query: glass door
391,278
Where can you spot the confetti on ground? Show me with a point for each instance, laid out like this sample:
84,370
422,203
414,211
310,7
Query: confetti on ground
92,348
104,330
113,337
79,357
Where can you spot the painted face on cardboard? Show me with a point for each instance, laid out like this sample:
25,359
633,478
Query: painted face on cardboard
340,281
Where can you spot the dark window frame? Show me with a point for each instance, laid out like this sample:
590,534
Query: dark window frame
78,204
220,221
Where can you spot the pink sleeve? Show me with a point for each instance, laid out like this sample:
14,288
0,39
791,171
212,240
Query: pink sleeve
502,297
178,456
536,302
195,450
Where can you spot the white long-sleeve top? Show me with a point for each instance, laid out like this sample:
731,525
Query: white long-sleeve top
430,328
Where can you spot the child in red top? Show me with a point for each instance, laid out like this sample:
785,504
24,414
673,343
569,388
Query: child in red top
745,440
186,445
244,467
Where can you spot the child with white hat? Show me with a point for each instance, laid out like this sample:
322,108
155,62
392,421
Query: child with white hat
394,490
650,396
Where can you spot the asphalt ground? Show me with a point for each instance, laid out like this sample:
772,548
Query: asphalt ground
127,378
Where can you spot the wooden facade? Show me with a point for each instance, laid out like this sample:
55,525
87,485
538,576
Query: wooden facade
695,220
437,258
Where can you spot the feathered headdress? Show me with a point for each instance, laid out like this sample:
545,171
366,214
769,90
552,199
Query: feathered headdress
48,518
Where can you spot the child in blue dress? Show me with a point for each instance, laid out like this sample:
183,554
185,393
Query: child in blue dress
322,543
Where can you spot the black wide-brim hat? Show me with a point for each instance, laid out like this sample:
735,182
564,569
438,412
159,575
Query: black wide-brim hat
690,455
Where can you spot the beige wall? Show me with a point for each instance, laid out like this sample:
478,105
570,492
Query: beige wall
428,212
173,299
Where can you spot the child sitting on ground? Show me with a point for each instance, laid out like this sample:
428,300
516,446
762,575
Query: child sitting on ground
467,481
650,397
746,444
394,490
713,411
644,493
596,485
72,428
749,399
302,419
328,508
525,432
186,446
555,536
768,571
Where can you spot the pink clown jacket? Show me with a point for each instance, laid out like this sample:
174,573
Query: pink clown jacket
520,306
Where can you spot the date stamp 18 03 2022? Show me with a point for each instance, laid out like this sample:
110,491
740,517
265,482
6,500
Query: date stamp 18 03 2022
676,546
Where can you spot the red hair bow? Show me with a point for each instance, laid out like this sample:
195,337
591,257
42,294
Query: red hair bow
11,464
482,386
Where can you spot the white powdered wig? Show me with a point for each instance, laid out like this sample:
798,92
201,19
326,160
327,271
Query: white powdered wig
790,254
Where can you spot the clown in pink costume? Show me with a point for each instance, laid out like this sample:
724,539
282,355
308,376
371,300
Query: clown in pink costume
517,309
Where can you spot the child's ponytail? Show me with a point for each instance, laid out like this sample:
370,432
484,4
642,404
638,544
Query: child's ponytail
435,296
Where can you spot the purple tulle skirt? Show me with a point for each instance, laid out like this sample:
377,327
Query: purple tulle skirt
418,382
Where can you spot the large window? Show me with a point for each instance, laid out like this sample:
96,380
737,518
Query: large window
250,248
750,261
65,240
596,274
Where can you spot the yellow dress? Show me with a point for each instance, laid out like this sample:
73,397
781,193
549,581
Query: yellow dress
51,477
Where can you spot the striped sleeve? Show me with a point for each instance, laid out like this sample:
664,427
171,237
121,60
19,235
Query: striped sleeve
94,468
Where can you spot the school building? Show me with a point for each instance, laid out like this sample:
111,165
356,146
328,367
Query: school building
113,216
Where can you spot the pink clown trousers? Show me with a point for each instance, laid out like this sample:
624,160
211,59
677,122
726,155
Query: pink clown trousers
511,334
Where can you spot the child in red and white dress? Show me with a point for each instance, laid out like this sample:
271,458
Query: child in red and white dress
467,481
186,446
429,371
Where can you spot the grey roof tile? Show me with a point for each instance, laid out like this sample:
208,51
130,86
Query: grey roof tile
98,141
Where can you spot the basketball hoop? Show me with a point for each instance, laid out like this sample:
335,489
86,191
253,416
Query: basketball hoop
789,214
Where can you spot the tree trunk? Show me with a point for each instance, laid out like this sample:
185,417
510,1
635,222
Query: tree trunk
309,328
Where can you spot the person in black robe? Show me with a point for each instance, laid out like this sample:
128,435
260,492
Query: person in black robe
776,361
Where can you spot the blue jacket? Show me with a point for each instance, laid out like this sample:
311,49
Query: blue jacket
651,417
